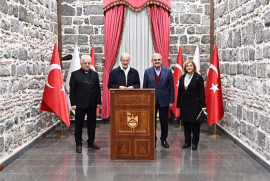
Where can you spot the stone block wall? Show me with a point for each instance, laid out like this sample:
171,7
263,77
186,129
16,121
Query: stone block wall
28,29
84,21
190,24
243,31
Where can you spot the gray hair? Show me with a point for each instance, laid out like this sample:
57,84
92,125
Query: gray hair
156,54
124,54
85,57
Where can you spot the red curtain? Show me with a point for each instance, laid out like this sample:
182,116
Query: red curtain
160,24
137,4
113,25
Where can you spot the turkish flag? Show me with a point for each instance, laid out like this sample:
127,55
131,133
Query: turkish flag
213,92
178,72
54,98
93,64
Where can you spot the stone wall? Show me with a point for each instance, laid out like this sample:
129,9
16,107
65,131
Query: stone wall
84,21
242,27
190,24
28,31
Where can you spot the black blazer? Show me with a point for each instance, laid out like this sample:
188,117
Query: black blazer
117,78
192,100
84,92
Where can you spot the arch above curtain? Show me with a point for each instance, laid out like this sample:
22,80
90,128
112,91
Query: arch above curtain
114,19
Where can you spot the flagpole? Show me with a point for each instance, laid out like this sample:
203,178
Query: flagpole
91,41
204,130
181,127
216,39
92,47
72,131
215,135
62,135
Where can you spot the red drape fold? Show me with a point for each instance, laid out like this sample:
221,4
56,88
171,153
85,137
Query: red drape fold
113,26
160,24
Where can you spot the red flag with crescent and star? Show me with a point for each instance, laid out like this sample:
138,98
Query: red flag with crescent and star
93,64
178,72
213,92
54,98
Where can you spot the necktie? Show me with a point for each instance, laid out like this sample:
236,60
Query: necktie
158,71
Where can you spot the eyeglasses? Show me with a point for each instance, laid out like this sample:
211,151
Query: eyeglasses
87,63
124,60
157,60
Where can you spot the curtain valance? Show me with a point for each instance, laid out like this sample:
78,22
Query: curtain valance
137,5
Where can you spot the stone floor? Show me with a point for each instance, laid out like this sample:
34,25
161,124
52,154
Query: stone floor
56,160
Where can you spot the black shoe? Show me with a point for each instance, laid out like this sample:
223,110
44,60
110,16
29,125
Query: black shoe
79,149
186,145
194,147
94,146
165,144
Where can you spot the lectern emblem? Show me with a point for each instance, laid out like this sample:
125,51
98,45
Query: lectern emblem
132,121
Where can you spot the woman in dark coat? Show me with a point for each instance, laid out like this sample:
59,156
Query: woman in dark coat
190,101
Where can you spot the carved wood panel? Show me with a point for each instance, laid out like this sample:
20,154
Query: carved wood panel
132,124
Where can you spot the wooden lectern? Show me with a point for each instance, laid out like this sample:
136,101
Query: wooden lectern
132,124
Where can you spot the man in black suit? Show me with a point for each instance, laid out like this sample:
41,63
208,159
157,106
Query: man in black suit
85,97
124,77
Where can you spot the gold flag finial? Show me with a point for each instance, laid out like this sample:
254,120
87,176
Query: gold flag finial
198,42
76,43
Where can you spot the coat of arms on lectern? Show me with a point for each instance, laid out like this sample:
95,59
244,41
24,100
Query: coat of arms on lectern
132,121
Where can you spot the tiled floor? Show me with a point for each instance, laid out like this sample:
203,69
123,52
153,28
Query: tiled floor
56,160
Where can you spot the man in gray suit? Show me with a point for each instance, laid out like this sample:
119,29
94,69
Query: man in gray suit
161,79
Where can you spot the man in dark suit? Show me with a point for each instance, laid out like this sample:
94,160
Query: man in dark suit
124,77
85,97
161,79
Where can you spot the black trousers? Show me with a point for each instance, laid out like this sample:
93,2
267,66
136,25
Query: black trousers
91,124
194,128
163,119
